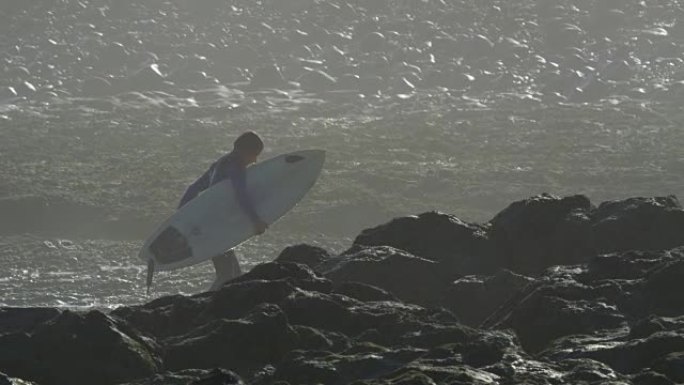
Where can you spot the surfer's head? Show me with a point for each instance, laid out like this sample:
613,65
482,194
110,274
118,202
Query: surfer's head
248,146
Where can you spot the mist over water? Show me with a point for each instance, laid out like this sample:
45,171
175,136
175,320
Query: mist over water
109,109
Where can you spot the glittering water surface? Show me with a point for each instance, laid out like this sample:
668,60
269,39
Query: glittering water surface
108,109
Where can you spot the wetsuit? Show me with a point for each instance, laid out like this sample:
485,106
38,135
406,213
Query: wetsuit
226,167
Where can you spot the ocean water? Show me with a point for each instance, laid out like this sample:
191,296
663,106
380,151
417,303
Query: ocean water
108,109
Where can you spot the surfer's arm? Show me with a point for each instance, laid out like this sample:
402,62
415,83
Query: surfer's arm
195,188
240,186
190,194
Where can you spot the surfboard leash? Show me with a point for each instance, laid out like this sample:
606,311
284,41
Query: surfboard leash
150,274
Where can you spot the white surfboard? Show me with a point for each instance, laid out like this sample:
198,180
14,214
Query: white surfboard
214,222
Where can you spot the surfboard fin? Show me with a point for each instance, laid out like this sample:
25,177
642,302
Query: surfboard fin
150,274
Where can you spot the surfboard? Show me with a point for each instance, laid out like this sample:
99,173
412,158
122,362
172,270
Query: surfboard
214,222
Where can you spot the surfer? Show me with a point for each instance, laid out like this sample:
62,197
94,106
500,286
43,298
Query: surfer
233,165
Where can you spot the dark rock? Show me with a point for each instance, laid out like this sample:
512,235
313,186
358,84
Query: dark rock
651,378
191,377
411,377
322,311
262,337
175,315
660,286
342,368
299,370
543,231
638,224
627,357
162,317
625,265
645,327
539,319
311,256
410,278
315,339
362,291
435,236
13,319
587,371
612,318
473,298
652,324
672,366
219,377
521,369
326,368
483,348
298,275
79,348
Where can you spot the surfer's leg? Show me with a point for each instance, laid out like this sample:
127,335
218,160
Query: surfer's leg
230,254
227,267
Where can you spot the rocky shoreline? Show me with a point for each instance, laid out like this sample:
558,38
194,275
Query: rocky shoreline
550,291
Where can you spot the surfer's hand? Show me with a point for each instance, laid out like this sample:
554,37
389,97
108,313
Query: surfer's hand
260,226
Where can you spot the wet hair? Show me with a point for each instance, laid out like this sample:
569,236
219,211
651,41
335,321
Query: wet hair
249,141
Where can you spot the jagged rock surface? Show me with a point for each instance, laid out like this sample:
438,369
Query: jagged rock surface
545,293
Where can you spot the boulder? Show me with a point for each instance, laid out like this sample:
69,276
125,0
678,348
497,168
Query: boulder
633,264
410,278
268,283
215,376
586,370
648,377
15,319
328,312
297,274
539,319
624,356
316,339
363,292
244,345
662,286
164,316
460,246
638,224
308,255
79,348
474,298
543,231
219,377
325,368
672,366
